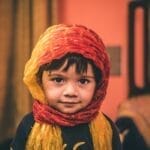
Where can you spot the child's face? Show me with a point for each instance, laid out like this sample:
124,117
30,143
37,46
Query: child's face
68,91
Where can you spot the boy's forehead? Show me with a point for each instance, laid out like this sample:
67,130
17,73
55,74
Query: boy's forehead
73,68
63,67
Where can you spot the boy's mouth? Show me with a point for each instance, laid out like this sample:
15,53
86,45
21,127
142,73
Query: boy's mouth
69,103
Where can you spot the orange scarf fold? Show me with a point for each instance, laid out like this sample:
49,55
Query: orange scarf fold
46,114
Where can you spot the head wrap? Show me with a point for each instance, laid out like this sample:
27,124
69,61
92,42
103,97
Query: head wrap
56,42
59,40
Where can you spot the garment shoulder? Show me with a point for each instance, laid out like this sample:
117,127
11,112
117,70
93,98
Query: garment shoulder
26,124
28,119
116,143
22,132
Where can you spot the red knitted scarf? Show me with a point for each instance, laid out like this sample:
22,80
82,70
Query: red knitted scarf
45,114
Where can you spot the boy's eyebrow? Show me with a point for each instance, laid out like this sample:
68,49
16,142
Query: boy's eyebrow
54,74
87,76
61,74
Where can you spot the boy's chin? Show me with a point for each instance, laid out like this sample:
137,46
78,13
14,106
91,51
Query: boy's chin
69,111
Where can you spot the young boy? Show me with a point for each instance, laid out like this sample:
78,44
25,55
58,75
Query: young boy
67,76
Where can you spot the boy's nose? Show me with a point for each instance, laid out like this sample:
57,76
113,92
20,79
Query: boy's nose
70,90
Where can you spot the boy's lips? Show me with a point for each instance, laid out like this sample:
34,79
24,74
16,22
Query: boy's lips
69,102
69,105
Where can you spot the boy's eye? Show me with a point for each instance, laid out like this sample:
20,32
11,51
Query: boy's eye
58,80
84,81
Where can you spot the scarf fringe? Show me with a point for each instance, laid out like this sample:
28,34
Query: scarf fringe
48,137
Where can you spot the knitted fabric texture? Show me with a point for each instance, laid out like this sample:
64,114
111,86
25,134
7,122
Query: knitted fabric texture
48,137
45,114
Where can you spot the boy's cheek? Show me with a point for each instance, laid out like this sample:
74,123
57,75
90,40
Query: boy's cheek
52,93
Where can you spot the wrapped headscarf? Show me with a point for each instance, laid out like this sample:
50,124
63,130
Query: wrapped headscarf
56,42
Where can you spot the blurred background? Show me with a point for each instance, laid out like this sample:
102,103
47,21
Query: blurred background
122,24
